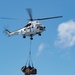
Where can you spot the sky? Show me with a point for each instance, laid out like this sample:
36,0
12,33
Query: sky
53,53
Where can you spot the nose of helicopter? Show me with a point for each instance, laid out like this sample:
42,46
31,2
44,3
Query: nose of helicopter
42,28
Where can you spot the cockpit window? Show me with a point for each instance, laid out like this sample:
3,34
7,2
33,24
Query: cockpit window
28,24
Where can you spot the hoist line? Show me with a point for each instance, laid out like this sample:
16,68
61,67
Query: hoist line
30,47
30,53
29,60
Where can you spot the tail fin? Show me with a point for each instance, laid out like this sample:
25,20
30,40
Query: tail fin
8,32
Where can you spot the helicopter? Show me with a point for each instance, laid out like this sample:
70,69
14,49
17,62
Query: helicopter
33,27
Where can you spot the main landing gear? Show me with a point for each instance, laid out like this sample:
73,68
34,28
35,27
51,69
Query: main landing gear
24,36
31,37
39,34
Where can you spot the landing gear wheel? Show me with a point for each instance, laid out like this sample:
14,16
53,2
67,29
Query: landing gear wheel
31,38
24,36
39,34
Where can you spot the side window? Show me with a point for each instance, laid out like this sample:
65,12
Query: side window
37,27
28,24
32,26
24,29
28,28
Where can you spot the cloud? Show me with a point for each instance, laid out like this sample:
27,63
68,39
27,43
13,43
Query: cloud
66,34
40,49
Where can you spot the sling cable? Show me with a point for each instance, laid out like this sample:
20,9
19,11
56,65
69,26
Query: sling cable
29,68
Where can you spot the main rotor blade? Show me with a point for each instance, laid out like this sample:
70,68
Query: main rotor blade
30,14
11,18
48,18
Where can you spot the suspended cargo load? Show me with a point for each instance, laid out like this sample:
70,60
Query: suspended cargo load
29,70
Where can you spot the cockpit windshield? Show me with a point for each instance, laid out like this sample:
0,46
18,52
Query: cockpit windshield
28,24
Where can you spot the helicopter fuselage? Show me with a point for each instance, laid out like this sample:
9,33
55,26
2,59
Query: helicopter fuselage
30,29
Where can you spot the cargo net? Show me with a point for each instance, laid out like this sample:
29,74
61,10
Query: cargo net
29,69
